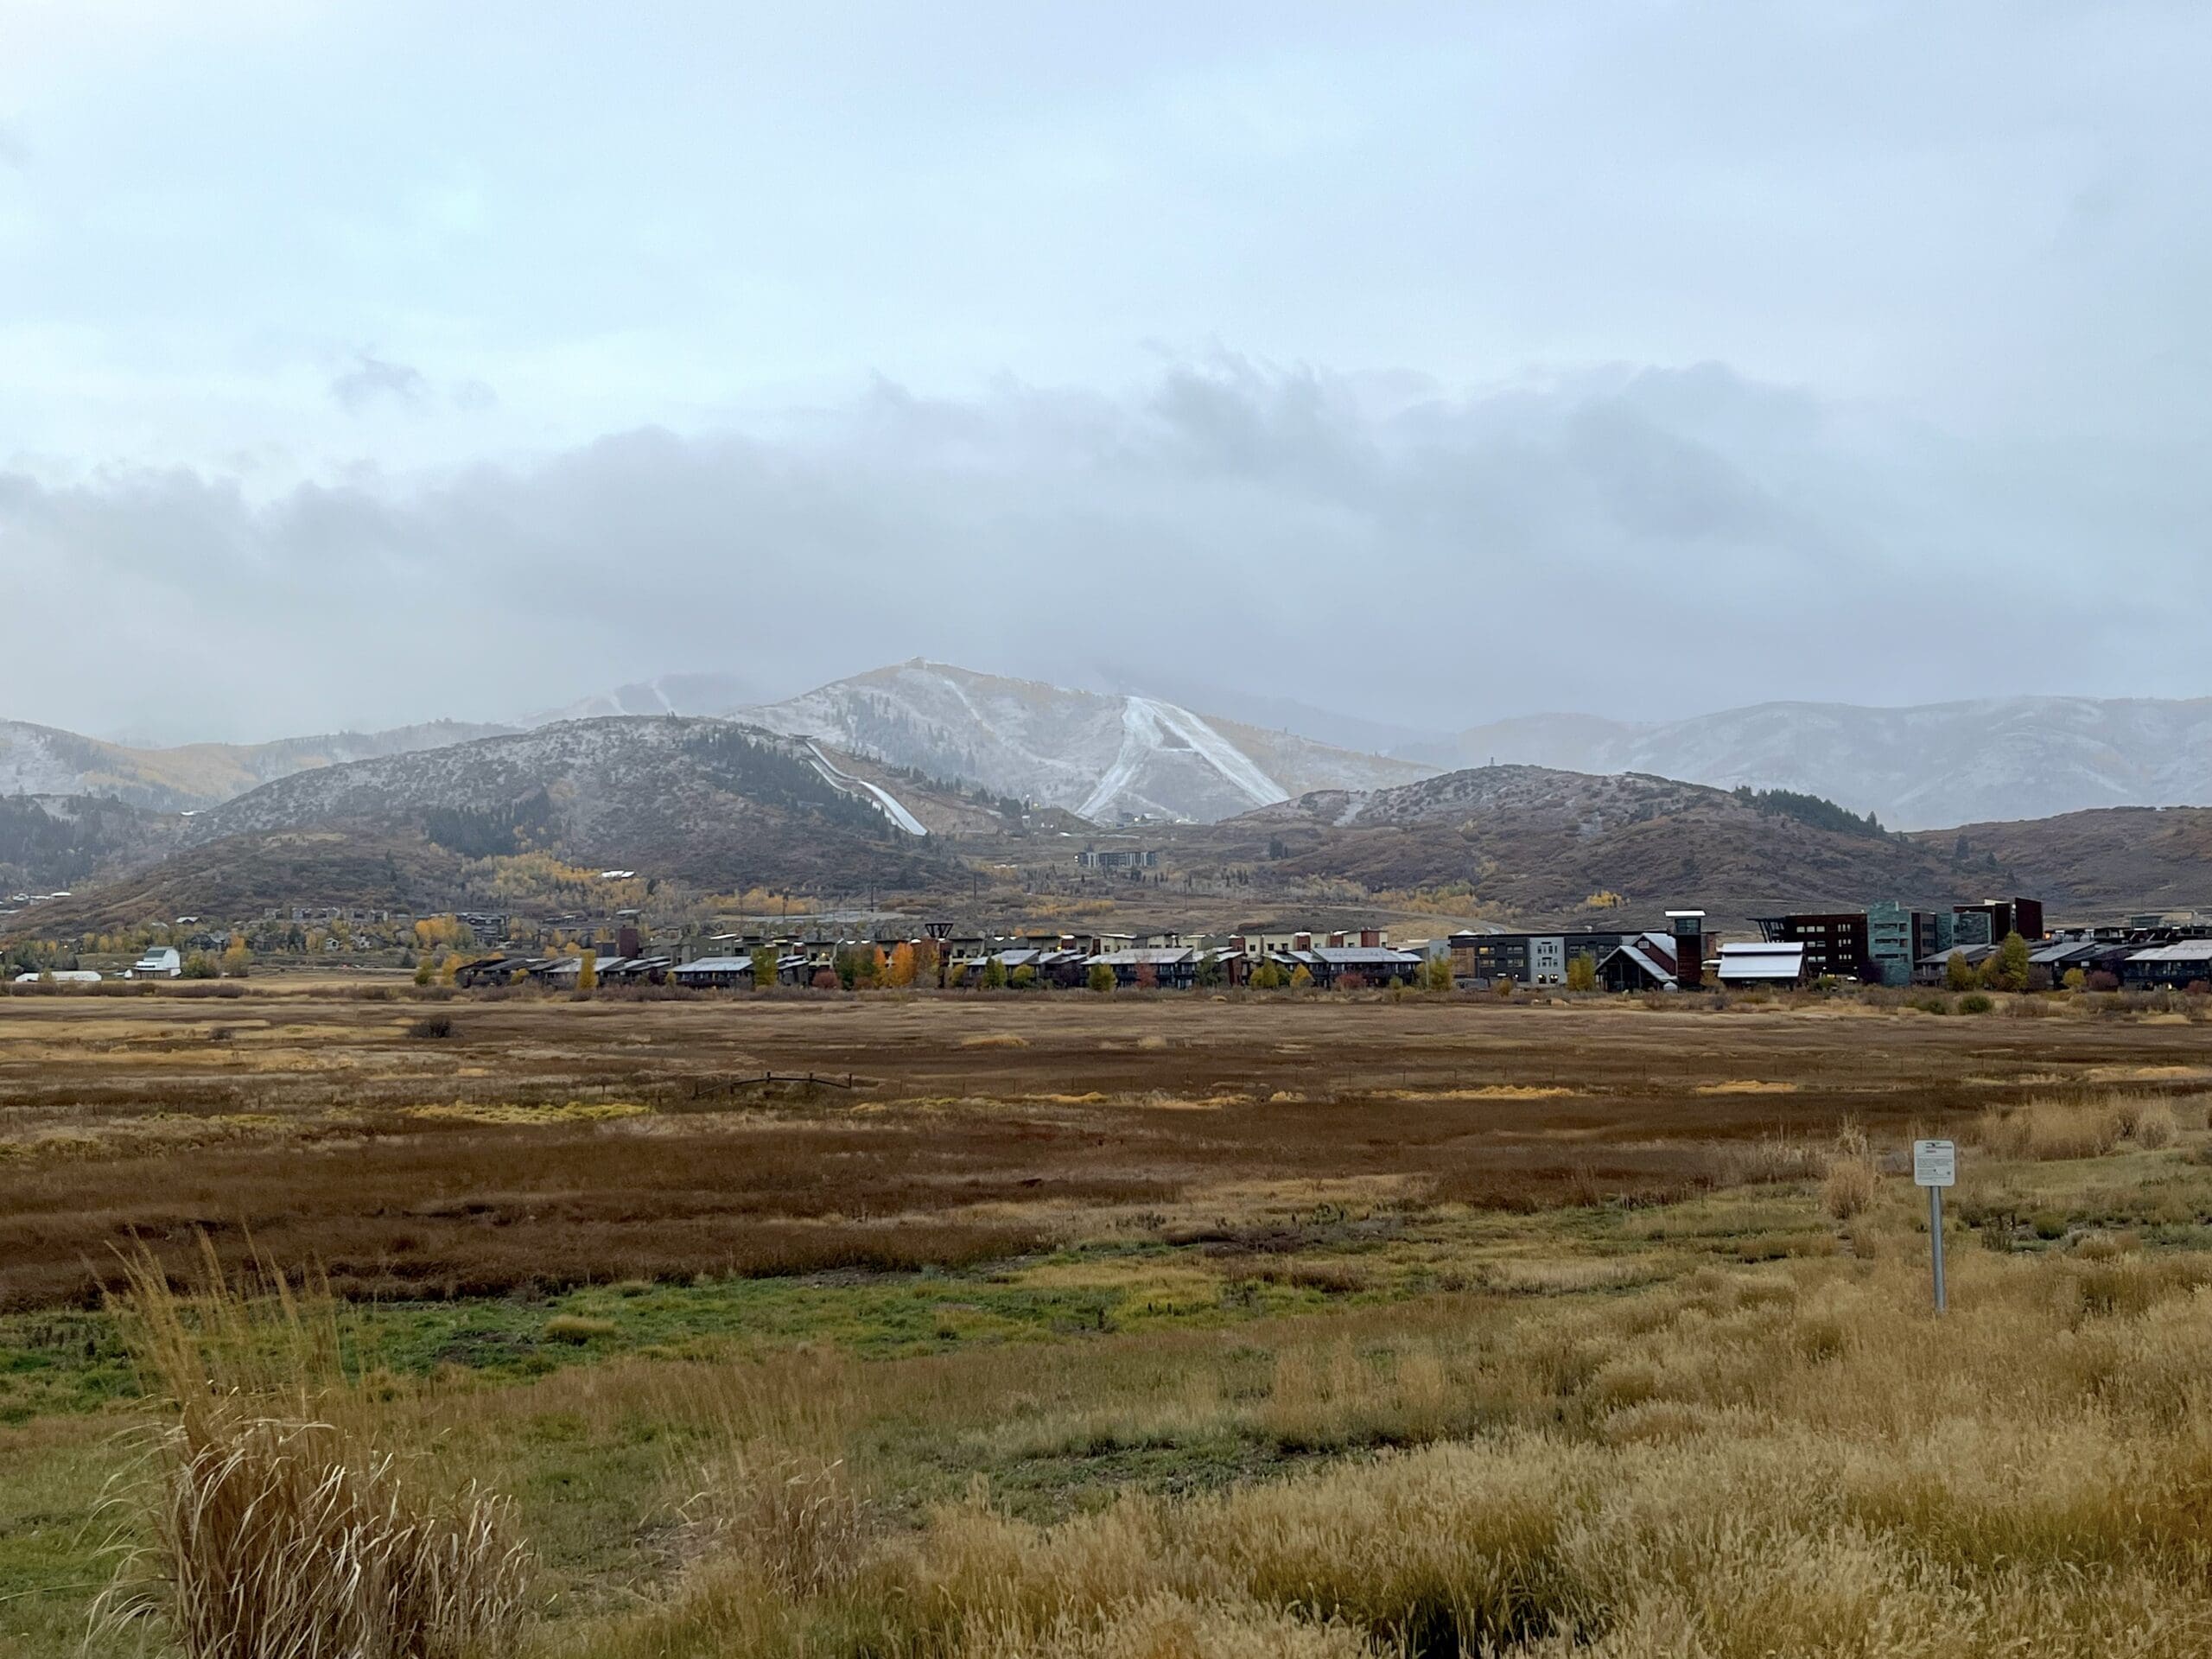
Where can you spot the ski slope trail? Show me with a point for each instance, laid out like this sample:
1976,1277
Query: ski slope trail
883,797
1147,724
984,723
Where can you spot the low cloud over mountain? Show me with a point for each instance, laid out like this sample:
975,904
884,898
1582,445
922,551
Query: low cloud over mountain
1643,542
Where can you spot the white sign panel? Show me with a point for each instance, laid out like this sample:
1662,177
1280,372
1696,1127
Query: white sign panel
1934,1163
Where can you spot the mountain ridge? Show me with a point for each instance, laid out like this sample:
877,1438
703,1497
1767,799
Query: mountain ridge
1106,754
193,776
1096,754
1918,766
1561,848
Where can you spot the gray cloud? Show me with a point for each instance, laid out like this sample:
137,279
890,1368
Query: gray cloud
1641,542
373,377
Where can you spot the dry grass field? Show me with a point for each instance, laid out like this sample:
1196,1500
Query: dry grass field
1114,1326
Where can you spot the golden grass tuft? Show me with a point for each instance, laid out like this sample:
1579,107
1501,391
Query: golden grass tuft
280,1529
1738,1466
578,1328
794,1519
1850,1181
2050,1130
1848,1188
2155,1127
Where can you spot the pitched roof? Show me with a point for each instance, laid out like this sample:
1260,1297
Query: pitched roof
1652,952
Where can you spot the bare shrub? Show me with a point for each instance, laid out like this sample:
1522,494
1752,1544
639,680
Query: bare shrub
2128,1109
1851,1181
2154,1127
431,1027
1848,1188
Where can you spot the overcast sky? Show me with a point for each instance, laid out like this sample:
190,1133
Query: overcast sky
362,363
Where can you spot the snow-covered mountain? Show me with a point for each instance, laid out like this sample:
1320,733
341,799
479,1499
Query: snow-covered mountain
41,760
1103,756
709,800
1099,756
1917,768
664,694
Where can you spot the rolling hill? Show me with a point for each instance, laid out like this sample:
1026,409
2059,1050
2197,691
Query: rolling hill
1536,845
711,803
41,761
2112,859
239,877
707,801
1998,757
50,842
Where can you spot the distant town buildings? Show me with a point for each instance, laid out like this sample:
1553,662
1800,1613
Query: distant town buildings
1107,858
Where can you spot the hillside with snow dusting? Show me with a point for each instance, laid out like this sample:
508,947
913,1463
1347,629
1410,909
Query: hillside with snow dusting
41,760
1101,757
1917,768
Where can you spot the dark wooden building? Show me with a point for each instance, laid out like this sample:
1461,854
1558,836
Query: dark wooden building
1835,941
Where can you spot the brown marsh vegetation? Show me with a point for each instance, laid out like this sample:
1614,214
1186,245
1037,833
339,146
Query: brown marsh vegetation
1170,1329
547,1144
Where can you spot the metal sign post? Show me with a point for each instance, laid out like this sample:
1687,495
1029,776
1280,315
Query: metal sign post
1935,1166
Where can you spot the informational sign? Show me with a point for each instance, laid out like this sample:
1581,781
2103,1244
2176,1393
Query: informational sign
1935,1166
1934,1163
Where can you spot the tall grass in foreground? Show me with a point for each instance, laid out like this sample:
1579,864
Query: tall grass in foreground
1793,1461
279,1528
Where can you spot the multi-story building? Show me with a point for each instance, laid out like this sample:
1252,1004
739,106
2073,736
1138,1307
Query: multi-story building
1836,945
1882,943
1989,922
1898,938
1529,958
